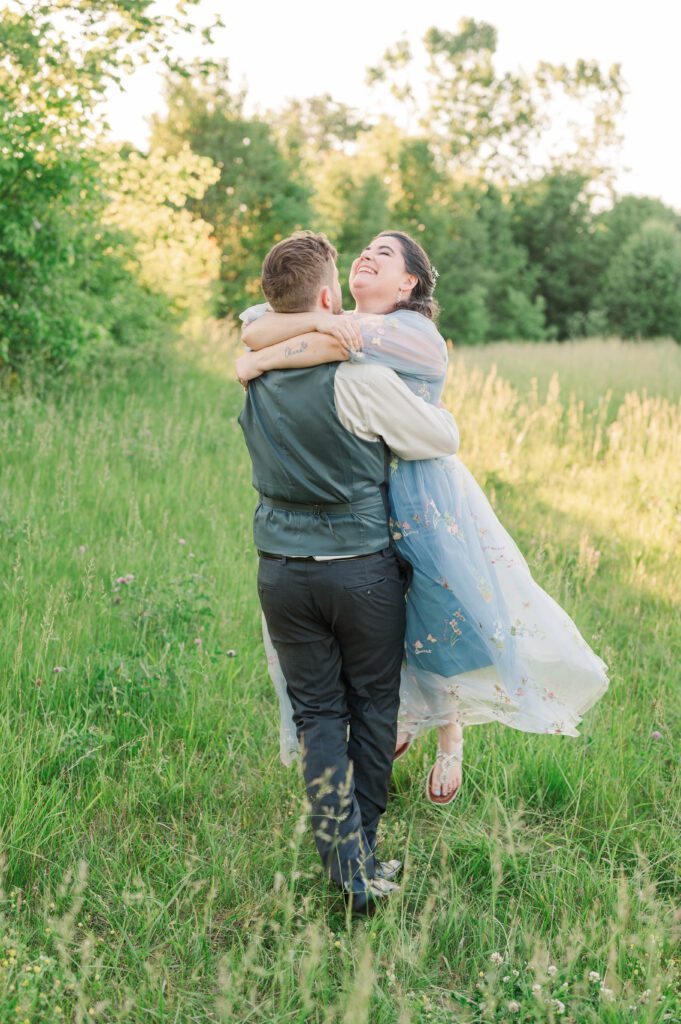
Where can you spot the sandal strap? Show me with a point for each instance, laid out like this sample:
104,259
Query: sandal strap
449,760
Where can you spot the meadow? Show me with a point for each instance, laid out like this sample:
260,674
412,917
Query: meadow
156,864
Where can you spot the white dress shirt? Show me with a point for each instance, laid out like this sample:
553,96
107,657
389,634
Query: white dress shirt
374,404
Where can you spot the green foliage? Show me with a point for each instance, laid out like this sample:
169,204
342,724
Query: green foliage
484,268
175,253
642,291
66,291
485,285
498,124
317,125
616,225
71,279
552,221
257,198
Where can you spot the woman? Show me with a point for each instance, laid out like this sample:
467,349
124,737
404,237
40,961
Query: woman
484,642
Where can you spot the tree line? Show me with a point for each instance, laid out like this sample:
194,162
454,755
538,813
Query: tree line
106,246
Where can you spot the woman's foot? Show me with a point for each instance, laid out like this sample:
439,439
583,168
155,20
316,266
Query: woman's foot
445,777
402,744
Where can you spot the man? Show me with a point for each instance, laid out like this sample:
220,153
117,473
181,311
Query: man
330,585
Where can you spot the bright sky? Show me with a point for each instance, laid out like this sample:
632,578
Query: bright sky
298,49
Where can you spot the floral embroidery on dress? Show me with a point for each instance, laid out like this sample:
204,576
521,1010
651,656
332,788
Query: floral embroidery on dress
431,515
455,624
452,525
497,637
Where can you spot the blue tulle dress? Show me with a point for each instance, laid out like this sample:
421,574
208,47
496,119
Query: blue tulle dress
484,642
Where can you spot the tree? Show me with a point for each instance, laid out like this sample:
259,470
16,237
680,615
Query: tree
552,221
67,279
642,292
174,252
256,200
306,128
614,226
498,125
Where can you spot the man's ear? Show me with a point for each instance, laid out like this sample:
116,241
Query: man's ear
326,298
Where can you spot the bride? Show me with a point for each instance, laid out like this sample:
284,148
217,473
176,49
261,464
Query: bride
484,642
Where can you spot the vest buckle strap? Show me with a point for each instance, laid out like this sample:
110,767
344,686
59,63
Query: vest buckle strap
319,509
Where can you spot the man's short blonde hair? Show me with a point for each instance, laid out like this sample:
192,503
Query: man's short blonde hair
296,269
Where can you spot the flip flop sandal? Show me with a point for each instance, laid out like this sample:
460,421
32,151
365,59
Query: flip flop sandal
447,762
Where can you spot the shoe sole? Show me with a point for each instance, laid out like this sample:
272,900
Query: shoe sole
402,750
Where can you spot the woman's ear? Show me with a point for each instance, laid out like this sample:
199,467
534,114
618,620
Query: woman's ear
410,283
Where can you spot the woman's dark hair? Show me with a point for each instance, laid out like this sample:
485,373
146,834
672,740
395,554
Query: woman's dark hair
417,263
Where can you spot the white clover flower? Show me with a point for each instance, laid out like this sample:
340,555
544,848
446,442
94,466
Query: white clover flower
551,970
558,1006
594,976
513,1006
496,958
536,988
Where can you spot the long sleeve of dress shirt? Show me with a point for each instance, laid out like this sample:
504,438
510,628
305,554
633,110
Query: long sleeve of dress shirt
372,402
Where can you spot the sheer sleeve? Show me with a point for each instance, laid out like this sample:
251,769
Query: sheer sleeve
254,313
405,341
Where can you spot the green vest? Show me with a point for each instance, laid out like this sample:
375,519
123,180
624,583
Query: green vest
321,488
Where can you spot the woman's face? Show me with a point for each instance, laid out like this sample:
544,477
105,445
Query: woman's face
379,278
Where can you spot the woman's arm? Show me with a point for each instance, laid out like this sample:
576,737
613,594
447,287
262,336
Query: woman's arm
311,349
405,341
272,328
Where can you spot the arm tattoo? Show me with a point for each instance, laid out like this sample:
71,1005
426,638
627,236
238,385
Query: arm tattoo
294,350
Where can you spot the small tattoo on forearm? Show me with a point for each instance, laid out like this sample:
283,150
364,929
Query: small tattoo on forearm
294,350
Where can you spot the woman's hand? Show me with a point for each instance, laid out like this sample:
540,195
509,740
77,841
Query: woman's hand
248,368
344,329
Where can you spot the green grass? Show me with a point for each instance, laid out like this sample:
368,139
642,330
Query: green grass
156,865
590,368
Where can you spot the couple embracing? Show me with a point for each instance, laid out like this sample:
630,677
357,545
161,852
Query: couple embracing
393,600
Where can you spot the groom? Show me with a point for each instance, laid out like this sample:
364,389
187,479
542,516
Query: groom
330,585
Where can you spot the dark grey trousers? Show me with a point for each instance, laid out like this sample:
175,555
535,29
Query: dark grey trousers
338,628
